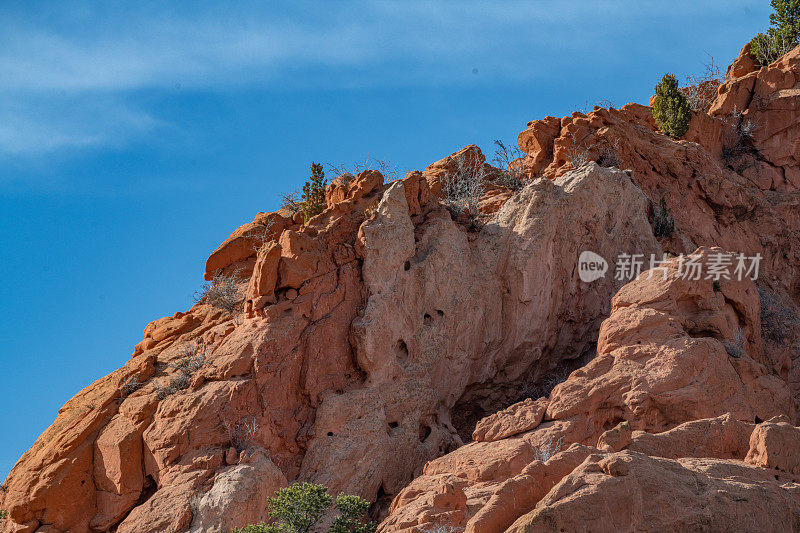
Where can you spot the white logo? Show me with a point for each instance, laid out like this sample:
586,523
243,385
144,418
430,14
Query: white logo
591,266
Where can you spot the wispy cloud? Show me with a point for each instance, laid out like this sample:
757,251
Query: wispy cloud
68,69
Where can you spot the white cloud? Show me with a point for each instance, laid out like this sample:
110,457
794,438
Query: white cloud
91,56
30,126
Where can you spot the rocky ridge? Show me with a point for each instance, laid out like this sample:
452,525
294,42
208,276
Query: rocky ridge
385,344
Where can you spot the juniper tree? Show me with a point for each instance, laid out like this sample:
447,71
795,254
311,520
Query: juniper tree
299,507
314,192
782,35
671,109
352,518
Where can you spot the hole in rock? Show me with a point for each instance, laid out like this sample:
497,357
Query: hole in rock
407,266
380,509
427,320
758,420
148,489
424,432
440,312
483,399
330,433
401,351
612,423
393,425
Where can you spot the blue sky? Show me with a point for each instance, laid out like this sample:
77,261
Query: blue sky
134,138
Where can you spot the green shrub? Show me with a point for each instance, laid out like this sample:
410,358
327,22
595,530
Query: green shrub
671,109
353,512
314,192
298,508
782,35
257,528
222,292
3,514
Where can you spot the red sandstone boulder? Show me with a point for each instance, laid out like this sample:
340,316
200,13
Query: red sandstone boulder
744,64
774,444
628,491
519,418
244,243
261,289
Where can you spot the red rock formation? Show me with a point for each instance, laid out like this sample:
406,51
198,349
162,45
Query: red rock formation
661,369
377,338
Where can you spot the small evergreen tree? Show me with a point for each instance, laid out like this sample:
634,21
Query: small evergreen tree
671,109
353,515
782,35
314,192
299,507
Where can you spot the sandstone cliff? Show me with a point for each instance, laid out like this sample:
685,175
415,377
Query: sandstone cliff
391,350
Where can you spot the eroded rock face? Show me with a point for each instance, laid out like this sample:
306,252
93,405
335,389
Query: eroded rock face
443,338
662,382
648,493
355,344
383,334
239,494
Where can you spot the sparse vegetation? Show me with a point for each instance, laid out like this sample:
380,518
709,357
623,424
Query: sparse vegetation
222,292
663,222
314,193
3,514
671,109
577,153
178,383
701,90
241,433
388,170
737,133
735,347
291,201
509,161
129,386
782,35
262,235
464,186
716,286
608,157
192,356
298,508
548,448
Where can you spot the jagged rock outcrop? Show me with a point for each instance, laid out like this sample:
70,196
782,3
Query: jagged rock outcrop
365,352
669,380
382,336
661,362
651,493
